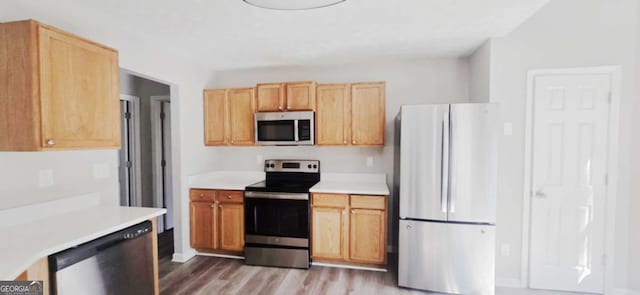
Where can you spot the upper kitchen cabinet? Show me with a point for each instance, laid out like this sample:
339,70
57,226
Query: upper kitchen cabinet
271,97
333,114
301,96
57,91
228,116
367,113
292,96
242,105
350,114
215,117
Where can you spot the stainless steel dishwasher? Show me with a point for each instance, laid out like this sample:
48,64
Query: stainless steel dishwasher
119,263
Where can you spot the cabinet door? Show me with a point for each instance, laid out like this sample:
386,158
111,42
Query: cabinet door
333,114
367,113
271,97
329,232
231,226
368,236
202,227
241,109
79,89
215,117
301,96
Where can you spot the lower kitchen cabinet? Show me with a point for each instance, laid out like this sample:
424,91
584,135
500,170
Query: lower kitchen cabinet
349,228
217,221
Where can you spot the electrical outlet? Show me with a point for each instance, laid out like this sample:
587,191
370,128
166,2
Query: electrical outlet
101,171
369,161
508,129
505,250
45,178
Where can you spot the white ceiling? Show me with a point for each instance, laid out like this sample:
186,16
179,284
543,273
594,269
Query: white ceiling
226,34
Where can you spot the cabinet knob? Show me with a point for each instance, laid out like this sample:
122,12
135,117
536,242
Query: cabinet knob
220,206
344,212
353,211
202,194
212,205
51,142
288,107
354,142
280,107
229,197
345,142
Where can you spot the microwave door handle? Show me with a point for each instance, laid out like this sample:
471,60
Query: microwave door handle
295,131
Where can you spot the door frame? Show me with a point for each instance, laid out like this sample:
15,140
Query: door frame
614,73
136,182
156,140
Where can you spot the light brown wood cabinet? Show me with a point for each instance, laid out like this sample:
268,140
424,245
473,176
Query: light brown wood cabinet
291,96
228,116
349,228
57,91
217,221
350,114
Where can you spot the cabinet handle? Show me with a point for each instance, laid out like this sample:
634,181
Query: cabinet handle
51,142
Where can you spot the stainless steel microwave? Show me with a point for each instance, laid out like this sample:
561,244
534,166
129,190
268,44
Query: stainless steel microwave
285,128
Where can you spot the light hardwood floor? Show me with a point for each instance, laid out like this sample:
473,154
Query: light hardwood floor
212,275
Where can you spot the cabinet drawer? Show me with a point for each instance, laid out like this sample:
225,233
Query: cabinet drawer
330,200
369,202
230,197
203,195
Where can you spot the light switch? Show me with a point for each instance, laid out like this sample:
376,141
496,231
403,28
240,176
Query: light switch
508,129
505,250
369,161
101,171
45,178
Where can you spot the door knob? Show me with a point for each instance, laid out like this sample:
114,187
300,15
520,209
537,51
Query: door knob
540,194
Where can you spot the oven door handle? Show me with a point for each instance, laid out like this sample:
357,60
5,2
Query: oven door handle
282,196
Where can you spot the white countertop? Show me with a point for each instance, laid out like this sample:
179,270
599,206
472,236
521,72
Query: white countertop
352,183
337,183
225,180
24,244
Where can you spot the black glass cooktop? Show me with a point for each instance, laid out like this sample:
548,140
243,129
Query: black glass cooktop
281,186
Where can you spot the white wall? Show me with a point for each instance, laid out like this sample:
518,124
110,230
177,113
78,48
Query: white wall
147,60
480,73
408,82
565,33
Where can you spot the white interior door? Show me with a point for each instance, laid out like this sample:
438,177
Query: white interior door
569,178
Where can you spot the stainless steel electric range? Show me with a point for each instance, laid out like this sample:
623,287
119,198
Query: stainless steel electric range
277,231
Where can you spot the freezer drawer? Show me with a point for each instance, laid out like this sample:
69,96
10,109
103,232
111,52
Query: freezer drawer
446,257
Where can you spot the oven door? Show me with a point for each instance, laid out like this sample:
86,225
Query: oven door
280,219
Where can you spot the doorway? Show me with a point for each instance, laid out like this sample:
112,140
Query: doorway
571,129
145,161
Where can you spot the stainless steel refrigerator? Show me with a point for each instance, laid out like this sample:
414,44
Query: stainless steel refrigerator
447,196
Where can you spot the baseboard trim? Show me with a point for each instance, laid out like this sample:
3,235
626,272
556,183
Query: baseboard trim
183,257
621,291
348,266
220,255
508,283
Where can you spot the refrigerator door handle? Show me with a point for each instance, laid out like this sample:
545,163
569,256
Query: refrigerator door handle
444,163
451,184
